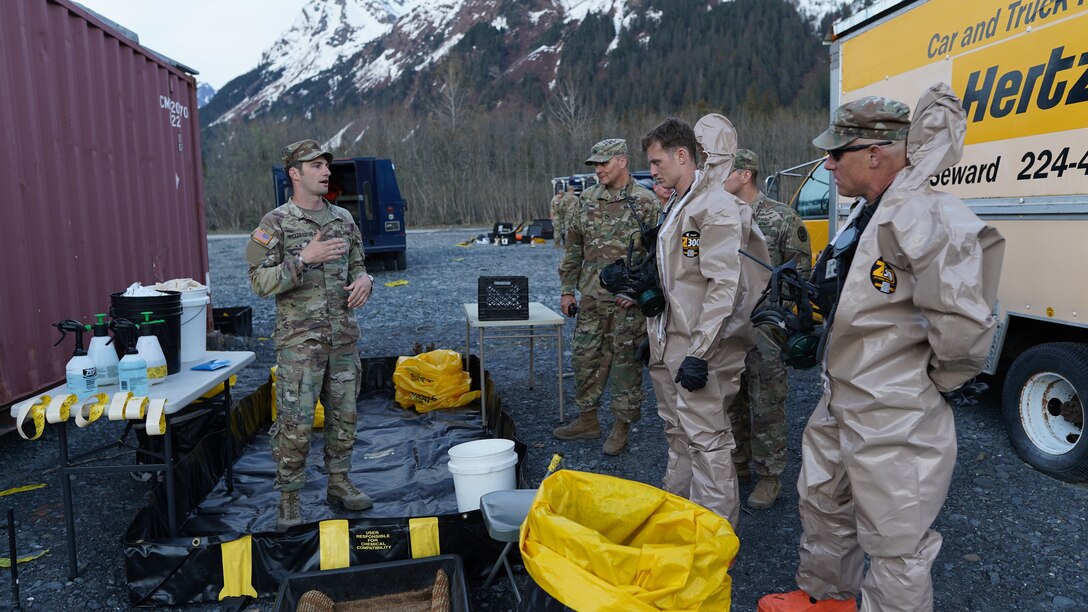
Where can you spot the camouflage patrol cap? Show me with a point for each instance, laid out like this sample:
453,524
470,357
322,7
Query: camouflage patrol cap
746,160
869,117
606,150
302,151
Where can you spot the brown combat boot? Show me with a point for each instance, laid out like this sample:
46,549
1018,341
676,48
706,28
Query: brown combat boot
586,426
342,491
617,440
290,510
765,493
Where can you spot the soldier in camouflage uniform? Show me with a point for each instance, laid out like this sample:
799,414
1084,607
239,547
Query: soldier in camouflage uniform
309,254
609,329
561,208
758,412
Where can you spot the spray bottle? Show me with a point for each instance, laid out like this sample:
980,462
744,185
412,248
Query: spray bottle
149,349
132,369
80,373
105,358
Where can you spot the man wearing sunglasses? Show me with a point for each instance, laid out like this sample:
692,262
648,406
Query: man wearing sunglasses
908,287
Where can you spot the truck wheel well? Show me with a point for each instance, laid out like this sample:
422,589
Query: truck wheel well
1023,333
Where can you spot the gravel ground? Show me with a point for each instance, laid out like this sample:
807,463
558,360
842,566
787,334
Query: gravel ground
1012,536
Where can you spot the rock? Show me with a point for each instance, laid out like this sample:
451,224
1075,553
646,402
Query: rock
1064,603
972,557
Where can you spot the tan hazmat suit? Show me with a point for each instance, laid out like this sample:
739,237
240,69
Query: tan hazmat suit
710,290
914,320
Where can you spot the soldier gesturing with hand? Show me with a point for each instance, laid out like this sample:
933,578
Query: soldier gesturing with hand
309,254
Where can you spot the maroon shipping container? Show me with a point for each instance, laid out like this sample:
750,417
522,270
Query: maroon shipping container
101,176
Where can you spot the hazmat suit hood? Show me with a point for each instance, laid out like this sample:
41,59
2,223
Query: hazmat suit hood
718,138
935,138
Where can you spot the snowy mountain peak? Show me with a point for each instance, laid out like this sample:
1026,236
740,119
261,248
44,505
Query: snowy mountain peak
347,49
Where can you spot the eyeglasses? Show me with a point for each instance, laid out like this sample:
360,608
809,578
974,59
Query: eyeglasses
836,154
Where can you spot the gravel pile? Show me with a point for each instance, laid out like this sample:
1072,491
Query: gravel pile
1013,538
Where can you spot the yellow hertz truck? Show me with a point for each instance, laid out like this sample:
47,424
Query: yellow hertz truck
1021,69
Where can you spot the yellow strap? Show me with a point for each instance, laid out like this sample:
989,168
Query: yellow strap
21,489
237,568
334,544
423,534
5,563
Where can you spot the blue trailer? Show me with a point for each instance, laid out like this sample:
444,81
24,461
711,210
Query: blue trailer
367,187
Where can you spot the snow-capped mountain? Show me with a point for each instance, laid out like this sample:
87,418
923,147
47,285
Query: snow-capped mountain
204,94
348,51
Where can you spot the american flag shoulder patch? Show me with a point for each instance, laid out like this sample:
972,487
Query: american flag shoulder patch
261,237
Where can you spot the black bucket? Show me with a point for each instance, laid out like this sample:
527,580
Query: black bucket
166,307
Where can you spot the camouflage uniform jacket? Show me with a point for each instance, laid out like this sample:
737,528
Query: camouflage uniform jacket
556,209
786,235
311,301
598,232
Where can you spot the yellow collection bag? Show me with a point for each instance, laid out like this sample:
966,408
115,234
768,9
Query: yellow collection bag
603,543
319,410
433,380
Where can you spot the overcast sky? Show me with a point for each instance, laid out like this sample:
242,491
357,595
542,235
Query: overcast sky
221,39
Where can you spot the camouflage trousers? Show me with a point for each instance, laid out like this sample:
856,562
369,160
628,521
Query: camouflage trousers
605,339
305,373
559,232
758,412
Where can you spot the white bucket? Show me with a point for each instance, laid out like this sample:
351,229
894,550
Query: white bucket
194,324
480,467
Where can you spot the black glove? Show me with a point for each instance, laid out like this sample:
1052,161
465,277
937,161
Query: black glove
692,373
967,395
642,353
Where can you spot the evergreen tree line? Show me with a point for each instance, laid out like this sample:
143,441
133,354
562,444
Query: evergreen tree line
495,165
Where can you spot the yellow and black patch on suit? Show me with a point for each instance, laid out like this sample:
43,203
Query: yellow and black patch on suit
689,244
882,276
262,237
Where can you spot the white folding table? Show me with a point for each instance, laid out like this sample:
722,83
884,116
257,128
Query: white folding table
540,316
179,390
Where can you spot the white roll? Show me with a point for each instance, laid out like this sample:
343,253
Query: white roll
93,407
60,408
156,417
35,410
136,408
117,406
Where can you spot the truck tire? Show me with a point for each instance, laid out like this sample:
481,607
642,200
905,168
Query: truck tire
1043,409
402,260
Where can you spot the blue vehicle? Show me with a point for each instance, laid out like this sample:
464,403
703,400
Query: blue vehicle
366,187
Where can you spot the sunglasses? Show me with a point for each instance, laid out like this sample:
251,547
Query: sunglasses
836,154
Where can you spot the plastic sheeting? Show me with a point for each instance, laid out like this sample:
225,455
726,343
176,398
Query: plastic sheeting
603,543
399,460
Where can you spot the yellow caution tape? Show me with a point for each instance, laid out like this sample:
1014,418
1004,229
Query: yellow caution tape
94,407
60,408
22,489
396,283
36,411
117,406
136,408
6,563
156,417
156,373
